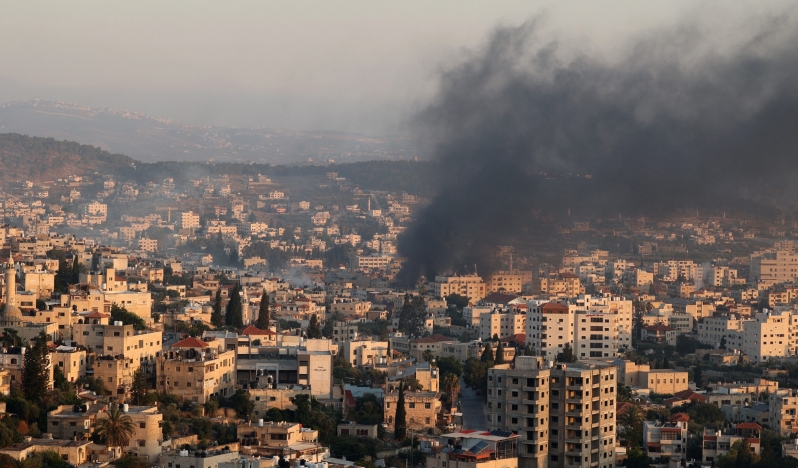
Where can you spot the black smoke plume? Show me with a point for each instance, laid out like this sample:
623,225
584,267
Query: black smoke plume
675,123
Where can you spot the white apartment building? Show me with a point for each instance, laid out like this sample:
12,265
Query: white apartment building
769,334
366,352
783,406
673,269
501,323
665,439
773,267
595,327
713,330
549,327
621,308
189,220
470,286
472,314
565,415
379,262
148,245
95,208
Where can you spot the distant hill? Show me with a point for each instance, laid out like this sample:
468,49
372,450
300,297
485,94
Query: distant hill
151,139
44,159
40,159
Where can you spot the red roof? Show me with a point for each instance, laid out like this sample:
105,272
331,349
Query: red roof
689,395
432,339
499,298
253,330
680,417
749,425
95,314
191,342
555,307
622,407
658,327
518,338
350,399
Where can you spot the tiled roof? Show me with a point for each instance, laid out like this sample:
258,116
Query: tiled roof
191,342
253,330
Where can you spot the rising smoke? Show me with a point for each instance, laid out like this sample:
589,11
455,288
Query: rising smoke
673,124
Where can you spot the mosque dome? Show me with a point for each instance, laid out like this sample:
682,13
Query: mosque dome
11,315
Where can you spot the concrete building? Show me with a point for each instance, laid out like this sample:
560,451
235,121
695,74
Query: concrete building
198,458
716,330
422,406
773,267
783,405
514,281
70,421
564,285
470,286
549,328
501,323
141,346
664,381
196,370
71,361
75,452
769,334
147,436
666,439
596,327
349,428
189,220
565,415
472,449
281,439
433,343
718,443
366,352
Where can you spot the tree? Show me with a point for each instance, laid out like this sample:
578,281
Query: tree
115,429
263,313
400,423
11,336
740,455
234,315
567,354
457,301
635,458
121,314
413,315
451,384
314,329
697,376
632,420
449,365
242,403
75,274
217,319
500,353
624,392
529,350
139,389
487,354
427,355
36,370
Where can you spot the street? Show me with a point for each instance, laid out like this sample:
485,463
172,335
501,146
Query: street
473,409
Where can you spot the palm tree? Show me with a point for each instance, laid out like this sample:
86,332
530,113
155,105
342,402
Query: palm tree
451,384
115,429
632,420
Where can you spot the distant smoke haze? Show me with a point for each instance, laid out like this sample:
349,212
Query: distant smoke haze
677,121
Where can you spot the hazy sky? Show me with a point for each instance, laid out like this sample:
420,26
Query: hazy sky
334,65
